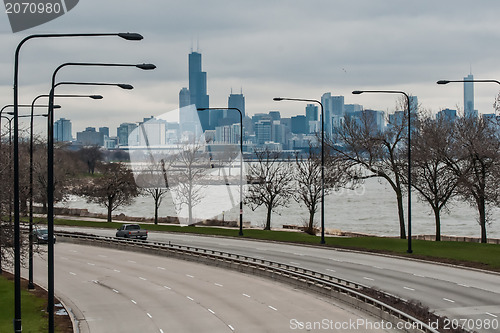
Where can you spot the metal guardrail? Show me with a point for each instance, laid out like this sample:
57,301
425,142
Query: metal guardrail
311,278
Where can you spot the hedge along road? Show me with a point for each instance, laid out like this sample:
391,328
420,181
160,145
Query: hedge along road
458,293
121,291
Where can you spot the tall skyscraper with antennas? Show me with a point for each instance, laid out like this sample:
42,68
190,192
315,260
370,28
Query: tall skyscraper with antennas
469,97
198,88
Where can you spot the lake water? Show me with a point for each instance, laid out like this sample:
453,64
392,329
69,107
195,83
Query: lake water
369,209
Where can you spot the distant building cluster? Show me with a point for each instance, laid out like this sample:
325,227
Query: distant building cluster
261,130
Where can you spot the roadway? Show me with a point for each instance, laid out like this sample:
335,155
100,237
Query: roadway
110,290
455,292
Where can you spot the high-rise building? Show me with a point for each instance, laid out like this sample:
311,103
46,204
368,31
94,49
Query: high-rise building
62,130
311,112
90,137
184,98
299,125
123,133
447,115
469,97
104,131
332,106
198,88
235,101
263,131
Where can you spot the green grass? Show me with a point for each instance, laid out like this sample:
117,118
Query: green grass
33,317
485,256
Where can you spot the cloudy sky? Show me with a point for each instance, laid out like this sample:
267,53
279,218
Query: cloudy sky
268,48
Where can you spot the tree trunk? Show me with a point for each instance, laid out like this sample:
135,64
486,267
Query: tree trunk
268,220
402,229
156,211
437,219
110,210
482,219
310,227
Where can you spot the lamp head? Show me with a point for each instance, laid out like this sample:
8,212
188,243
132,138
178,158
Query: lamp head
146,66
57,106
357,92
201,109
125,86
277,99
443,82
130,36
96,96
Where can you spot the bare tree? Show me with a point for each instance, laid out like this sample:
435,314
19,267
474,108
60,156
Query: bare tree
153,181
91,155
360,143
274,182
431,175
113,188
474,156
191,167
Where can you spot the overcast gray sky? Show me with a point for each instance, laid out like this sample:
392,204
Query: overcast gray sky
269,48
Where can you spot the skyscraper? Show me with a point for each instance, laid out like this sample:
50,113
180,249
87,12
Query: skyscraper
235,101
198,88
469,96
62,130
184,98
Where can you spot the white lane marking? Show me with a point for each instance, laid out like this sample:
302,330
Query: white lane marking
143,279
272,308
231,327
190,276
334,259
298,254
294,263
91,264
408,288
367,278
491,314
419,275
246,295
116,291
448,300
133,301
131,261
218,285
167,287
211,311
161,331
150,316
72,273
377,267
160,268
95,281
116,270
463,285
330,270
190,298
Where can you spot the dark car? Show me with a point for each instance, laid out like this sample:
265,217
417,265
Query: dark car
42,236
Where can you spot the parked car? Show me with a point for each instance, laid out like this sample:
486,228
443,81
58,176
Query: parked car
131,231
42,236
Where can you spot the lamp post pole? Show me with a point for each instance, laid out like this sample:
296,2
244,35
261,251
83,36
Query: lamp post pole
241,161
358,92
322,158
17,246
50,168
30,256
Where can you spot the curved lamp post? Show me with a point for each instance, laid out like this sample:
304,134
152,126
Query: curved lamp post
17,247
322,158
358,92
241,161
30,237
50,167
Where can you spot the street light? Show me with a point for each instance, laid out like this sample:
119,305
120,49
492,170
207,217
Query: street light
10,139
278,99
241,161
30,256
358,92
50,166
131,36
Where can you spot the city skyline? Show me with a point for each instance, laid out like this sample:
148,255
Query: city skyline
302,51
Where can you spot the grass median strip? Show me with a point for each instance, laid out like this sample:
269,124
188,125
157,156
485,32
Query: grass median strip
486,256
